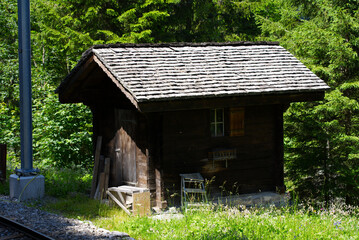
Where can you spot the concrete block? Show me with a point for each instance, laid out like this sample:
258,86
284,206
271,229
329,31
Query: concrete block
29,187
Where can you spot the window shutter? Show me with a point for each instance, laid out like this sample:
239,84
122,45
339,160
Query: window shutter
237,121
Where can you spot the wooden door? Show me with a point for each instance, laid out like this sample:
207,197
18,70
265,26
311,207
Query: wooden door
125,147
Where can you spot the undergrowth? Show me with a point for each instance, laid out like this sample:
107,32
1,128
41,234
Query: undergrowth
221,222
61,182
71,186
215,222
4,185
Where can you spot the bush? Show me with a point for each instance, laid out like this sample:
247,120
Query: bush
61,182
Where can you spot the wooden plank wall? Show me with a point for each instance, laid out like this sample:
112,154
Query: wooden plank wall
169,143
104,124
187,141
125,140
125,146
156,185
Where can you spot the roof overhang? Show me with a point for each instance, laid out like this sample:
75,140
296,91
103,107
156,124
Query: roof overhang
84,82
233,101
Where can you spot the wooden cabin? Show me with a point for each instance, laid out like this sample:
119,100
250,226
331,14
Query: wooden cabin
212,108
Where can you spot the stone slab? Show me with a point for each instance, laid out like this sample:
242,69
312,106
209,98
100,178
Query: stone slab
27,187
255,199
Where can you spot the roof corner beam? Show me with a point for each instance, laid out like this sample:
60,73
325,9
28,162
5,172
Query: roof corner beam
115,81
81,71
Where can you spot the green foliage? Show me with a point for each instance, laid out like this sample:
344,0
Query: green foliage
60,182
321,138
62,133
9,90
63,29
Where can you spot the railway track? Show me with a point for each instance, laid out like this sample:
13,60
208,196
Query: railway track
12,230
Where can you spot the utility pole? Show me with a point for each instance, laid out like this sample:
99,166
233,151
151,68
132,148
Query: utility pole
26,183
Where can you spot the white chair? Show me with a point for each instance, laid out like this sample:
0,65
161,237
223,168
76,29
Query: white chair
192,184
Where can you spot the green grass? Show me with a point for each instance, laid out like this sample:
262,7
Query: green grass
71,187
230,223
81,207
220,222
61,182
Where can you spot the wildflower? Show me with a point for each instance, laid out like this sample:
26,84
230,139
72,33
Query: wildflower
336,224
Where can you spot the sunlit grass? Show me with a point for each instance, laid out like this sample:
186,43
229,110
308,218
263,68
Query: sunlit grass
83,208
220,222
231,223
60,182
71,187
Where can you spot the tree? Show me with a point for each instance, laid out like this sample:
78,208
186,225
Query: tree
321,138
9,89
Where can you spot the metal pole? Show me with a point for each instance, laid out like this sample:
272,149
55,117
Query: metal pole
25,87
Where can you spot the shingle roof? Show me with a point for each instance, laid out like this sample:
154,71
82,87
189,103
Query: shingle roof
172,71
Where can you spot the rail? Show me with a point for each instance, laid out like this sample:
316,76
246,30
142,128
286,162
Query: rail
23,229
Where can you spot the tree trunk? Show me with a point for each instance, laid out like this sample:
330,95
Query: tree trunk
326,160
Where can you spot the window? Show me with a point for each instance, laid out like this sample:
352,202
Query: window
236,121
217,122
227,122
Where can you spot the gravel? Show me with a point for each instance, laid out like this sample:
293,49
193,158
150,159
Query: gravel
54,225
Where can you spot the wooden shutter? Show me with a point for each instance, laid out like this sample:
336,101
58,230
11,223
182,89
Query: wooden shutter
237,121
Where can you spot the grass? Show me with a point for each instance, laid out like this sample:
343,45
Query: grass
231,223
61,182
220,222
71,186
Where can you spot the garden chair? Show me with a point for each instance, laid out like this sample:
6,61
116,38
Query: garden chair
192,184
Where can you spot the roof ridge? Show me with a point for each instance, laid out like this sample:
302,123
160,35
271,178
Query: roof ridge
183,44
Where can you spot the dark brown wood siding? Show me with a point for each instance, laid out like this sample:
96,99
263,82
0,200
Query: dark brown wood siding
187,142
125,142
166,144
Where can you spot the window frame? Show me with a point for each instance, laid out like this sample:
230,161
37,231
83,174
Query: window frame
216,123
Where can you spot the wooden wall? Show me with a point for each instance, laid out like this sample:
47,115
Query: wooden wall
125,141
165,144
187,142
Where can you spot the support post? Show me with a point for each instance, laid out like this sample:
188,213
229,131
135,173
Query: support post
25,87
25,184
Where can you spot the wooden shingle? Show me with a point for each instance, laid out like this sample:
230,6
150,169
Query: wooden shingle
156,72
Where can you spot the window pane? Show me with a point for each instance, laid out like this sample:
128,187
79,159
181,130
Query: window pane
213,130
219,115
212,116
220,129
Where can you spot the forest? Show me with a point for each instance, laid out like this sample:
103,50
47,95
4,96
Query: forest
321,138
